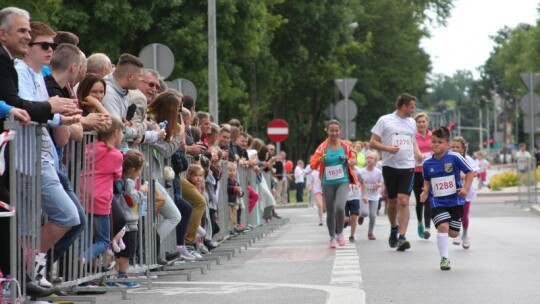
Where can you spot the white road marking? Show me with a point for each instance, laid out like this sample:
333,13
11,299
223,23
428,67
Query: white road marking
346,273
336,294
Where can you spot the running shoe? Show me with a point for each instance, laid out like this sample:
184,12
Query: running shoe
333,243
341,240
456,241
393,239
427,234
421,230
371,236
445,264
185,254
466,242
352,239
403,244
320,223
129,284
171,256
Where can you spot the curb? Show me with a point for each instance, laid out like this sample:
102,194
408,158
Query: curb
535,209
496,193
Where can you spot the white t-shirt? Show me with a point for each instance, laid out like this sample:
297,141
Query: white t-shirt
474,166
394,130
371,179
355,192
298,175
315,182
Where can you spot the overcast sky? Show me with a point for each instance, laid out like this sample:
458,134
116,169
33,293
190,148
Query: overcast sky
464,43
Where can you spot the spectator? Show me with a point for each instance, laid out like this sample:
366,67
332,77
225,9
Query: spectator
57,203
125,77
299,180
99,64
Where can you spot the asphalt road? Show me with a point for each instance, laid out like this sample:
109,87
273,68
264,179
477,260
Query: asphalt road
294,265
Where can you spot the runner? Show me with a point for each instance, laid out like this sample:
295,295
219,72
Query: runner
423,138
459,145
394,136
374,184
442,183
334,158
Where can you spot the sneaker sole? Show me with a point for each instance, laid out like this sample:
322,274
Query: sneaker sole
427,234
446,267
466,246
404,246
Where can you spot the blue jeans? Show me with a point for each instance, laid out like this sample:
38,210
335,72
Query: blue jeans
299,192
185,210
55,202
69,238
102,236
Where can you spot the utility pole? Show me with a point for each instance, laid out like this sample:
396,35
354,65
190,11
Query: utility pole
212,62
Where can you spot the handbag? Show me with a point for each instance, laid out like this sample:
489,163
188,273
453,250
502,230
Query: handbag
159,199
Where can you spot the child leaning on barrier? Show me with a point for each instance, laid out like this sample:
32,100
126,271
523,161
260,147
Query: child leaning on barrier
103,166
133,202
233,193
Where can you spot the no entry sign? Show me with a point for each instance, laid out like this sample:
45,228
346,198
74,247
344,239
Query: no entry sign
277,130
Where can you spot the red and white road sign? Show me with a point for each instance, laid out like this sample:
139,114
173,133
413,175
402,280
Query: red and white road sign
277,130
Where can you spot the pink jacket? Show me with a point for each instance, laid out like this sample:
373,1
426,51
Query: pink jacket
106,165
321,149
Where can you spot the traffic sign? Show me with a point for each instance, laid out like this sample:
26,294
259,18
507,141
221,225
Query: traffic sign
530,79
345,85
525,104
183,86
277,130
158,57
345,110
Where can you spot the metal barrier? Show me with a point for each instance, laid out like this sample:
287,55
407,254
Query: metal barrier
79,165
527,181
25,172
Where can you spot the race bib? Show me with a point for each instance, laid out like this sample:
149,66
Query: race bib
372,188
443,186
334,172
403,141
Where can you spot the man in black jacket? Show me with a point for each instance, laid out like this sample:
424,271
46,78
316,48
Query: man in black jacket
14,40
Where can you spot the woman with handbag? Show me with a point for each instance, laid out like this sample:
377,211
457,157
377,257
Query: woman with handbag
334,159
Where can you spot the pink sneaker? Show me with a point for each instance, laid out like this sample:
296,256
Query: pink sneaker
333,243
371,236
341,240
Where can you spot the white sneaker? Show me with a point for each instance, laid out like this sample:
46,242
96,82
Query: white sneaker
40,266
466,242
456,241
185,254
196,254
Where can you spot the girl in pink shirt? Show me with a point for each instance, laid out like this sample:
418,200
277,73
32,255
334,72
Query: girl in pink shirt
103,166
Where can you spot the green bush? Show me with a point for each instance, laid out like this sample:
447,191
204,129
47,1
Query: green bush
502,180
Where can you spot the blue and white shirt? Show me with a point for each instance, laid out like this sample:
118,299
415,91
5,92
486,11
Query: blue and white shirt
444,177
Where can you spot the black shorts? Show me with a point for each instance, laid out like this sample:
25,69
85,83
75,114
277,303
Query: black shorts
352,207
450,215
130,239
397,181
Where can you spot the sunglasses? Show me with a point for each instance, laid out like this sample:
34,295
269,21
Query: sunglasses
45,45
151,84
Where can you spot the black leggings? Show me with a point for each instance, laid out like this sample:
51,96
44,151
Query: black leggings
417,188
